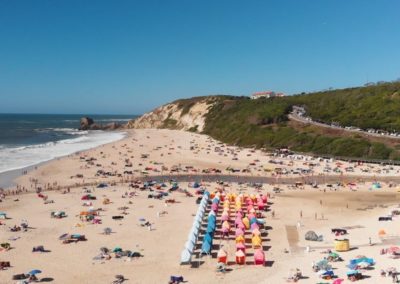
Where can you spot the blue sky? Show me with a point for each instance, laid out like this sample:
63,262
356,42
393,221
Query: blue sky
130,56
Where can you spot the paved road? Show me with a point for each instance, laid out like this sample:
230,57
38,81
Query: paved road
302,119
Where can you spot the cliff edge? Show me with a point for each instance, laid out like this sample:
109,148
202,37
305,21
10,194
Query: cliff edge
187,114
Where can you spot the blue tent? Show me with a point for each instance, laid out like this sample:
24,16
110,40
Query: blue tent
370,261
253,220
208,238
210,229
212,217
206,247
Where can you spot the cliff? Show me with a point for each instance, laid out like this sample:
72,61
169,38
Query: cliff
187,114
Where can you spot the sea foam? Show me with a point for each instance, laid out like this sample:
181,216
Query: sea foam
12,158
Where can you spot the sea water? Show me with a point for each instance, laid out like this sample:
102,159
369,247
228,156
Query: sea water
29,139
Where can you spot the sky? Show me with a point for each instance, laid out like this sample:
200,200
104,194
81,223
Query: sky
128,57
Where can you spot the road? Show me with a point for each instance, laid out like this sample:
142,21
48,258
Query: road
303,120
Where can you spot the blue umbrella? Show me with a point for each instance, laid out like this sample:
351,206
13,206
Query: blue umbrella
34,272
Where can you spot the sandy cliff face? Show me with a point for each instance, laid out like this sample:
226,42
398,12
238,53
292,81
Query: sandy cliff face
189,115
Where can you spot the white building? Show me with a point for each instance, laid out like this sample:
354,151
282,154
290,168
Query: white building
266,94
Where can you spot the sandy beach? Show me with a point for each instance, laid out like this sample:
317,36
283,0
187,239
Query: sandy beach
292,211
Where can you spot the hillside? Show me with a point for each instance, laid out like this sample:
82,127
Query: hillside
264,123
376,106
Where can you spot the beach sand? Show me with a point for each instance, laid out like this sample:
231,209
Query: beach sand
357,210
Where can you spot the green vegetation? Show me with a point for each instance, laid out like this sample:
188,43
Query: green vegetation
376,106
170,123
264,123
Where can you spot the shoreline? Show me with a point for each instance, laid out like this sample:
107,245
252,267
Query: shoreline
8,178
11,178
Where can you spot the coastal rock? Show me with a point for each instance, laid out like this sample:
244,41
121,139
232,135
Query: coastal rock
87,123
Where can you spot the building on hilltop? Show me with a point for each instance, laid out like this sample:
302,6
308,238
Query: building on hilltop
266,94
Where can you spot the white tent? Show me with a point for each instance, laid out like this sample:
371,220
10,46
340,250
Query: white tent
186,257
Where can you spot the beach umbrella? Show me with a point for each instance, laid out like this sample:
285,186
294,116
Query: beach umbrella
34,272
240,239
393,250
338,281
246,222
241,246
117,249
239,232
224,217
251,216
256,241
241,226
254,226
256,232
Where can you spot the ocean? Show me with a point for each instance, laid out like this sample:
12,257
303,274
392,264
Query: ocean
29,139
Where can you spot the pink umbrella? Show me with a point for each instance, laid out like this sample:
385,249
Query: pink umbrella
256,232
251,216
254,226
238,220
241,246
239,232
225,230
338,281
393,250
214,207
241,226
